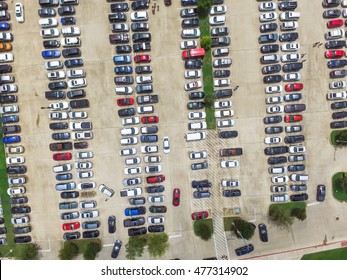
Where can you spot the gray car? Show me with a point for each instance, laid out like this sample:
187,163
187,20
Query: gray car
199,165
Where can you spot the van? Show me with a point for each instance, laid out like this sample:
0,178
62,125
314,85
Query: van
220,52
334,34
70,42
266,59
54,95
68,205
290,16
195,136
48,22
82,103
197,125
201,194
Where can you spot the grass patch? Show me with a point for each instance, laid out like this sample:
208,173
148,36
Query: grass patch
338,191
335,254
288,206
334,134
228,221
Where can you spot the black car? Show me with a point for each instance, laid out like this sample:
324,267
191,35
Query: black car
338,73
66,11
47,12
271,48
219,31
117,17
188,2
201,184
276,150
339,115
321,192
296,167
140,47
335,44
5,68
268,27
80,145
18,200
20,210
119,7
221,73
73,63
123,49
337,63
294,108
126,112
190,22
71,52
144,88
58,125
123,80
220,41
22,239
332,13
268,38
157,209
116,249
276,160
50,44
294,139
111,222
273,119
228,134
137,231
223,93
193,64
90,234
140,5
271,69
156,228
263,232
331,3
195,105
67,195
63,176
81,103
299,197
287,6
272,79
273,129
231,193
139,26
57,85
21,230
292,67
3,230
9,119
292,97
68,20
196,95
155,189
78,93
141,37
289,37
11,129
338,105
61,136
338,124
71,235
16,169
143,69
244,250
55,94
133,222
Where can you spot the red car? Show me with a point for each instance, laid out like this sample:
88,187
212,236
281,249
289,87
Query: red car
150,119
125,101
142,58
176,197
293,118
294,87
335,23
155,179
334,54
199,215
62,156
71,226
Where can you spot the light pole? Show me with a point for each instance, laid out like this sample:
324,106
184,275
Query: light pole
7,254
239,233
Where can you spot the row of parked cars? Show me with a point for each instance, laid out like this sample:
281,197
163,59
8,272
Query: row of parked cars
335,13
16,169
290,61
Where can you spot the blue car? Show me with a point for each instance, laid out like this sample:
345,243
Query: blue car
122,59
51,54
10,119
11,139
5,26
68,20
123,70
135,211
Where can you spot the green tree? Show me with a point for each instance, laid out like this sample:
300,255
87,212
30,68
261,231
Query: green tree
27,252
281,216
205,42
202,229
341,138
157,244
342,182
135,247
204,7
243,229
91,251
68,251
299,213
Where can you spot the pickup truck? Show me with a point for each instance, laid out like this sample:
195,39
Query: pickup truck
81,126
130,192
63,146
135,211
147,99
230,152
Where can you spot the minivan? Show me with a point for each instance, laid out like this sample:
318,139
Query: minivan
195,136
82,103
201,194
55,94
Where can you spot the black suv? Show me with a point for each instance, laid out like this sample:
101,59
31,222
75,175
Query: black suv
50,44
190,23
141,37
299,197
73,94
276,150
137,231
201,184
133,222
55,94
82,103
72,52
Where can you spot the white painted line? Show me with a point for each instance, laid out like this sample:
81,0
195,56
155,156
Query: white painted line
107,245
313,203
175,236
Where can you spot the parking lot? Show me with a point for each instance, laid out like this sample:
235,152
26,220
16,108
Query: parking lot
168,82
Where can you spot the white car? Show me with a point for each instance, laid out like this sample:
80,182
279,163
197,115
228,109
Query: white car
149,149
106,190
6,36
53,64
56,75
128,141
155,219
153,168
296,149
132,171
198,155
289,25
290,47
129,131
77,83
124,90
70,31
20,220
15,160
273,89
188,44
144,79
16,190
78,115
267,6
196,115
166,144
197,125
8,88
85,174
274,109
59,106
49,33
152,159
289,77
292,57
90,214
83,165
276,188
279,179
139,16
226,123
223,113
336,95
190,33
229,163
218,10
76,73
85,135
222,104
132,161
19,10
127,152
15,149
279,197
230,183
130,121
9,109
58,115
48,22
221,82
274,100
84,155
193,85
70,42
287,16
334,34
17,180
272,140
217,20
337,84
192,74
62,168
268,17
